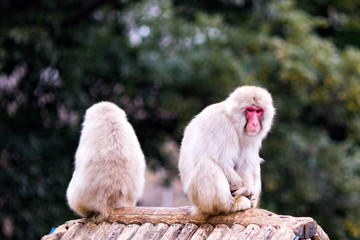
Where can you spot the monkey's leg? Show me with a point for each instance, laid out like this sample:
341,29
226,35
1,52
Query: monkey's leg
256,191
208,188
236,183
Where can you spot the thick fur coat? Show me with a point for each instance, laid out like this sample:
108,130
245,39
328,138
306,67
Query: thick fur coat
219,161
109,164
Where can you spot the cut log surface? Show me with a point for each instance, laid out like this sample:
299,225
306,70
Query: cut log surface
179,223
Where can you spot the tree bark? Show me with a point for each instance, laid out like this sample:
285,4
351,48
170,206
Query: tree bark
303,227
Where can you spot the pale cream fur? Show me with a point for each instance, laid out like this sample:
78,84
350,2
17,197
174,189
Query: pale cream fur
219,161
109,164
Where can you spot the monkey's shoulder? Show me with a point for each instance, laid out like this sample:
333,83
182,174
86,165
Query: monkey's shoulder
213,122
214,112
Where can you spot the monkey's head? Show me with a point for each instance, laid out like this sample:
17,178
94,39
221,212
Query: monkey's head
102,110
251,109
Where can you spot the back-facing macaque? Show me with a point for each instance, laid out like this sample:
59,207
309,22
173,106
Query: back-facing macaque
109,164
219,157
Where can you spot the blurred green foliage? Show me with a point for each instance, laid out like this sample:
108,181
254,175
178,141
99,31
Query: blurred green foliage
162,62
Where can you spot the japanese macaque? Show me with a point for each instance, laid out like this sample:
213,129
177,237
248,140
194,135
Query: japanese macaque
109,164
219,157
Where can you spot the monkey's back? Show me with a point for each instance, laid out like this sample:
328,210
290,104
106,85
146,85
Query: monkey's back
109,163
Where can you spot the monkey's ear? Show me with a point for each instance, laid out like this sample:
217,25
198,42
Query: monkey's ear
270,111
234,108
231,108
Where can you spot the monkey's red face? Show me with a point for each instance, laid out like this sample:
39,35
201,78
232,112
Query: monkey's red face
253,124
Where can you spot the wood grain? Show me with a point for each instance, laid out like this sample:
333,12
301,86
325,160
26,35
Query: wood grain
304,227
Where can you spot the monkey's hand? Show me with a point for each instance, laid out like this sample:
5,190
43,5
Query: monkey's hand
243,192
240,192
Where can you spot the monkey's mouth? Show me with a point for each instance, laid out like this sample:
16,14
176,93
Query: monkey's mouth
252,132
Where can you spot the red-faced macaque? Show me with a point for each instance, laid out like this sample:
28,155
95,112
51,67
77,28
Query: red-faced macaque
109,164
219,157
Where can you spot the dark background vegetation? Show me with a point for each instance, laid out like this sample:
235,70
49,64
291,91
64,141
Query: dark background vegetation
162,62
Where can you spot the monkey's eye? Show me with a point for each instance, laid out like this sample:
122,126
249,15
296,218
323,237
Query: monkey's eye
251,110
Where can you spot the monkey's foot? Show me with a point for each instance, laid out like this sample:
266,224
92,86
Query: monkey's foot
253,200
240,204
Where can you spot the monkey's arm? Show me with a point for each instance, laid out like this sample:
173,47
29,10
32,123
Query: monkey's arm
236,183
